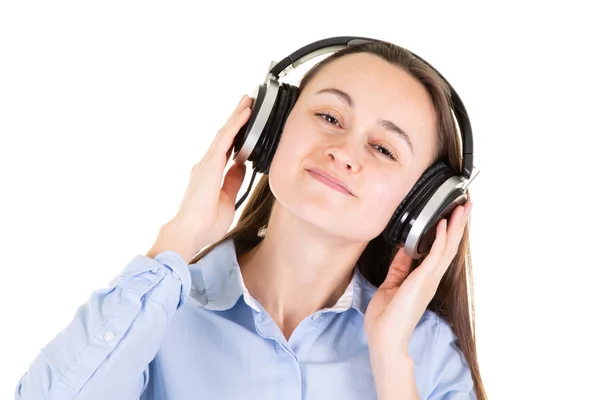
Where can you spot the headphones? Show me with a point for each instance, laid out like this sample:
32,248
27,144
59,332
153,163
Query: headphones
433,197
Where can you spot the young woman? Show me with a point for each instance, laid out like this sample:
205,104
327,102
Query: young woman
303,298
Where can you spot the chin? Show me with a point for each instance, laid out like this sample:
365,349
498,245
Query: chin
329,217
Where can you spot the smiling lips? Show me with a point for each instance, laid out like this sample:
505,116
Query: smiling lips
329,180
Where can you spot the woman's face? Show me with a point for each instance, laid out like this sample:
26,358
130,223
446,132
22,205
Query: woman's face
368,124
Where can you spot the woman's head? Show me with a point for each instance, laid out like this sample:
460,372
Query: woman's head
384,82
366,122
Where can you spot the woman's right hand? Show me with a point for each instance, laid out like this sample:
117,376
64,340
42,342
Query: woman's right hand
207,208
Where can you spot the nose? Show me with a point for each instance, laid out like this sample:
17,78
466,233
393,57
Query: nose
343,156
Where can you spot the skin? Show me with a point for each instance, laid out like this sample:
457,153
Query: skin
316,234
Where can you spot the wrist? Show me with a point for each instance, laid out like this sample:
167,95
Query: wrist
391,361
394,376
179,238
389,349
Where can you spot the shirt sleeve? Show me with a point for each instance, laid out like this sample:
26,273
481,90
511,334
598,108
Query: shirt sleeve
105,351
451,373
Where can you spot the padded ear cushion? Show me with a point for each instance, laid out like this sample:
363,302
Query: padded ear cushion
270,136
421,191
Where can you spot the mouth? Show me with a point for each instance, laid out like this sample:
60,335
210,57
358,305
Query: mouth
330,181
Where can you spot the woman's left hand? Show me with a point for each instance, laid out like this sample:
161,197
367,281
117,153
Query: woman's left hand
399,303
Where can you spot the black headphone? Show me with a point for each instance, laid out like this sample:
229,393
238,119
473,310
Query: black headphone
433,197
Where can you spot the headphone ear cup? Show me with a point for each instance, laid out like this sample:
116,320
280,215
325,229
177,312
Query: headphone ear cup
420,237
397,229
246,144
271,134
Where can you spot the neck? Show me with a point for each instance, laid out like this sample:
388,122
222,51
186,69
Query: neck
298,269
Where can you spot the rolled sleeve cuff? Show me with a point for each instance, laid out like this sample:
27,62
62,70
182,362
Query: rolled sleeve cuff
179,269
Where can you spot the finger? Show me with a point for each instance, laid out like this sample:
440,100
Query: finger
398,271
432,261
456,229
229,153
233,180
450,235
239,109
394,278
226,135
468,208
440,239
402,260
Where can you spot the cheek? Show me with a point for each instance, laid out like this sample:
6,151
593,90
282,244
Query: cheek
287,152
385,195
296,142
287,160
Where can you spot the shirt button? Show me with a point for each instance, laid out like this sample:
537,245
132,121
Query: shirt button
109,336
316,317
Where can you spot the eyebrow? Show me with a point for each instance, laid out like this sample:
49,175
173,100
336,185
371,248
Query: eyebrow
388,125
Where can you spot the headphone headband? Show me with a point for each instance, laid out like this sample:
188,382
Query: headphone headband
332,44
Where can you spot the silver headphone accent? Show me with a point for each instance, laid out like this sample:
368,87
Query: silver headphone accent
432,207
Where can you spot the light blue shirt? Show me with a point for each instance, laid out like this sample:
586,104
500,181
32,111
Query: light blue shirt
166,330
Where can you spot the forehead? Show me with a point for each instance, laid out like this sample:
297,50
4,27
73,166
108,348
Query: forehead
382,90
369,74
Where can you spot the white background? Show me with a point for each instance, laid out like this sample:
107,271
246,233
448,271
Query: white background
105,107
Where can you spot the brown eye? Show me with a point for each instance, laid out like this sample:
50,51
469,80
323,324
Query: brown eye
330,119
385,151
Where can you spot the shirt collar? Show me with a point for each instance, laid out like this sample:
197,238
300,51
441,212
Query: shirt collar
217,283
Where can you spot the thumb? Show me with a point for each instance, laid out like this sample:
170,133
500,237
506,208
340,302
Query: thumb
398,271
233,180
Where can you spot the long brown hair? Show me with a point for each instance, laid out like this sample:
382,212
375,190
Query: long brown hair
453,300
